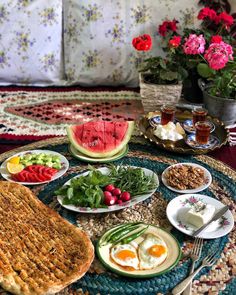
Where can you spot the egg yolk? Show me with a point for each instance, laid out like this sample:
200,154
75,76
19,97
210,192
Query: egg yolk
125,254
157,250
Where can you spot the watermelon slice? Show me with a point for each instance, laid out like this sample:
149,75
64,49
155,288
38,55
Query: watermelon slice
100,139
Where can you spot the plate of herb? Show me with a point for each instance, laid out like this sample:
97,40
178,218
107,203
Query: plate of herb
107,189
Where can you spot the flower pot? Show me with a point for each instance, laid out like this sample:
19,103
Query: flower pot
219,107
191,90
155,95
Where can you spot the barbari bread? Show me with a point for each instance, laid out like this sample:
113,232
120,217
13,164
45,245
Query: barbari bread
40,252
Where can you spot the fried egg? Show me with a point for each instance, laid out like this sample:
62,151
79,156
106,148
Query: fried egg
125,255
152,252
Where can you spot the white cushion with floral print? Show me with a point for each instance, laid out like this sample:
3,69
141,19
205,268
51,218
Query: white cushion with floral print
31,42
98,36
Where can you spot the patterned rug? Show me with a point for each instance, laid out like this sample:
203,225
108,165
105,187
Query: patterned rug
38,114
220,279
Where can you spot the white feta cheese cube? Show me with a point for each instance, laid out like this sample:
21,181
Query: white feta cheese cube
200,214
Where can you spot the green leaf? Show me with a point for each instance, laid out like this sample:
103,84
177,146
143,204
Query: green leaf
162,64
70,193
204,70
168,75
183,73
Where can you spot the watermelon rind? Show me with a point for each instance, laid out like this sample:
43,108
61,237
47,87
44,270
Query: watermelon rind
85,158
110,153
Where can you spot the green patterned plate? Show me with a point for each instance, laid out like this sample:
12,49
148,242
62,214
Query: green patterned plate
172,259
85,158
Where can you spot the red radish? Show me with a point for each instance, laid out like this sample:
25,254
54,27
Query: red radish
116,191
109,187
110,200
125,196
107,194
119,202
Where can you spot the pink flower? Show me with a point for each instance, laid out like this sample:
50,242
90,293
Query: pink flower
194,44
218,54
207,12
192,200
175,41
216,39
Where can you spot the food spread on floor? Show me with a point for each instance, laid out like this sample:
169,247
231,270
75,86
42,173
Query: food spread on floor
63,251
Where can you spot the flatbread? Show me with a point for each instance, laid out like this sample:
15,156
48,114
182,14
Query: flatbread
40,252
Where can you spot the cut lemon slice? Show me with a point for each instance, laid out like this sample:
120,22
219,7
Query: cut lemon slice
14,160
14,168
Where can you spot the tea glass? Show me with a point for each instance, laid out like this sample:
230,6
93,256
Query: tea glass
167,114
199,115
203,129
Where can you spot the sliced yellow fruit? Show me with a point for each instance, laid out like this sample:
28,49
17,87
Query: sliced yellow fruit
179,129
14,160
14,168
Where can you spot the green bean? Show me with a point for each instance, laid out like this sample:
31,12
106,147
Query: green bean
118,233
122,233
112,236
132,237
122,226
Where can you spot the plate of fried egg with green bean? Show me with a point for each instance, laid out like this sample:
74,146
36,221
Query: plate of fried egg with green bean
138,250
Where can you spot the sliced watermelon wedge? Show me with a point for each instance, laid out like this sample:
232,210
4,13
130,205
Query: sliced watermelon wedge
100,139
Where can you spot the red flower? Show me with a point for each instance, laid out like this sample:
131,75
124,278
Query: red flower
175,41
207,12
173,25
216,39
167,26
224,18
142,43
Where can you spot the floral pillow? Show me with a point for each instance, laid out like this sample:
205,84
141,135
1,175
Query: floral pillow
31,42
98,37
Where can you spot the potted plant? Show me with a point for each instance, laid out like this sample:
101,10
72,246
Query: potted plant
160,77
181,60
219,94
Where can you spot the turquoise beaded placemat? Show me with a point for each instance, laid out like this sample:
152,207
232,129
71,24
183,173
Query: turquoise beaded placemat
219,279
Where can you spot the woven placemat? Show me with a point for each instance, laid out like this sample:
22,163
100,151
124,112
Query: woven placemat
220,279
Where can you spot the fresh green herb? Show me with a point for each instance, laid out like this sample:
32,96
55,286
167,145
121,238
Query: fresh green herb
131,179
87,191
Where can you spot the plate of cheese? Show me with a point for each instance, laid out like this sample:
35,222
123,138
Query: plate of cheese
189,212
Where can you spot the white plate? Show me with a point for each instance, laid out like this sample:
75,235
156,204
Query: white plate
134,200
174,254
207,177
177,208
65,165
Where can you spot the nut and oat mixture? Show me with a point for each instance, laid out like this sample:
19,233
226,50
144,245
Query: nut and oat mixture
185,177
